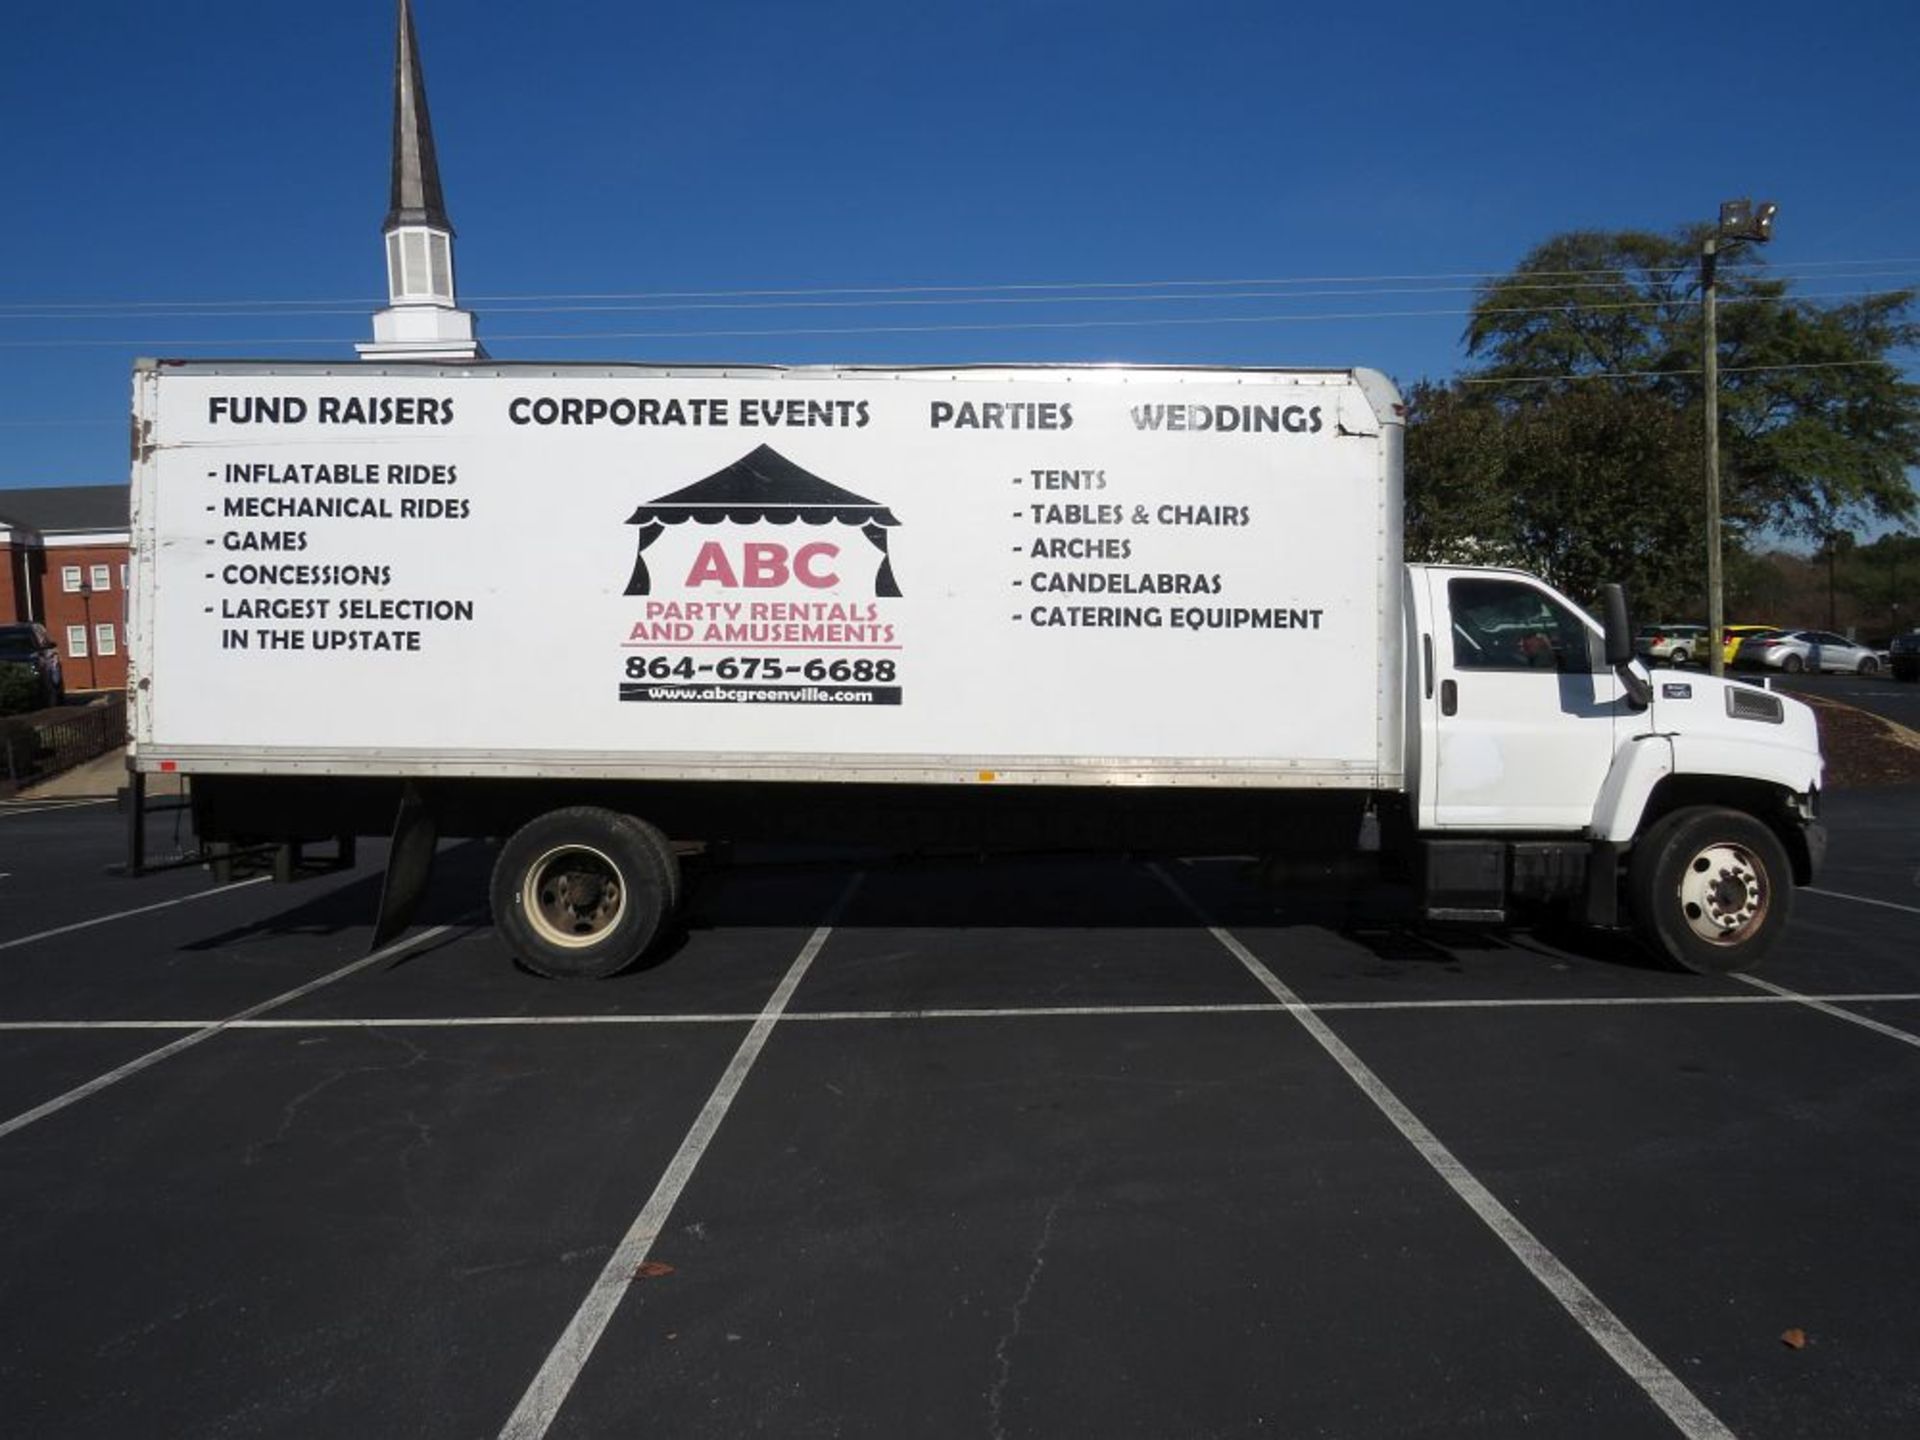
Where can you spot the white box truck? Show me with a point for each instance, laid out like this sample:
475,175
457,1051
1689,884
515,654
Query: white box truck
597,609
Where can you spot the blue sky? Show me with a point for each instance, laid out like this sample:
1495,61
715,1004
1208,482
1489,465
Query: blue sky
162,161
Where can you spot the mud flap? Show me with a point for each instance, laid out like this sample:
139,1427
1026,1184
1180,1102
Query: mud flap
135,797
1600,900
416,834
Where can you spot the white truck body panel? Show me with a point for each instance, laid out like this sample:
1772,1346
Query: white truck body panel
1079,575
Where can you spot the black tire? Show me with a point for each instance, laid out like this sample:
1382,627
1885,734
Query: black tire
1710,889
1793,664
1868,666
1678,658
581,893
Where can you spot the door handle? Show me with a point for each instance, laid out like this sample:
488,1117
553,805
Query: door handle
1449,698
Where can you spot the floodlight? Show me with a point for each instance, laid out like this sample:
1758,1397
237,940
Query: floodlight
1743,220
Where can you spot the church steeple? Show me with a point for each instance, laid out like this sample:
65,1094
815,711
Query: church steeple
415,196
422,320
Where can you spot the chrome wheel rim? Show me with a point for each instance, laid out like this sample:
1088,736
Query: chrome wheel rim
573,896
1723,893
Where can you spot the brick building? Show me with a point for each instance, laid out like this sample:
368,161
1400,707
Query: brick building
64,561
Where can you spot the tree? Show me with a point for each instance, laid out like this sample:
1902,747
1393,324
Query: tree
1589,306
1883,580
1573,447
1599,485
1874,589
1459,507
1820,426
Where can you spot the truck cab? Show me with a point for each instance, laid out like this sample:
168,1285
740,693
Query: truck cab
1544,763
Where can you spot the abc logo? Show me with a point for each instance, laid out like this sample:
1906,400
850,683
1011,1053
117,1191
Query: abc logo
764,565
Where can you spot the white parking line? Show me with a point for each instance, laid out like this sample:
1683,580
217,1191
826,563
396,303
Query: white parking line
125,914
1032,1012
550,1387
1680,1405
1815,1002
207,1032
1859,899
30,807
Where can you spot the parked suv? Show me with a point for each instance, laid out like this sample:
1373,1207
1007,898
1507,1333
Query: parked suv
28,644
1675,644
1903,656
1797,650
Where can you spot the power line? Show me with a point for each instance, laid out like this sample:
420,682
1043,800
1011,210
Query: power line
1664,374
1136,298
981,327
1619,275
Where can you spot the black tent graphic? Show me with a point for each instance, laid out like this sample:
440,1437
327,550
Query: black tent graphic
763,486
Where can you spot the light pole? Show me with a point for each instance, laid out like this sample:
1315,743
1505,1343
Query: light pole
1740,220
86,609
1837,540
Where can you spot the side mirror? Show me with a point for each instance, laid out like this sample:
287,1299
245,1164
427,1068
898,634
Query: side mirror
1620,649
1619,628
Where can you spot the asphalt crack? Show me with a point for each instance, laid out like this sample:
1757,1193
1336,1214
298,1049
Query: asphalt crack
1003,1351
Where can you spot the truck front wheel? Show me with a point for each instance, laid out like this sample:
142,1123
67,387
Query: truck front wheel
1710,889
582,892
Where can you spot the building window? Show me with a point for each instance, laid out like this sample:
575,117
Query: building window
77,642
70,579
102,578
105,642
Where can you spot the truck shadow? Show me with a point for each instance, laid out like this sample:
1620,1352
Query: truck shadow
1371,923
456,897
1374,919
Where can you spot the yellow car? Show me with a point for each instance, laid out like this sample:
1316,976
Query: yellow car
1734,634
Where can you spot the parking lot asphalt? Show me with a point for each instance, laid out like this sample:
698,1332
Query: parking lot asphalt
1881,694
1048,1147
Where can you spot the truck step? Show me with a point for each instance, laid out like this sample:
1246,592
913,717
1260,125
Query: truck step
1464,915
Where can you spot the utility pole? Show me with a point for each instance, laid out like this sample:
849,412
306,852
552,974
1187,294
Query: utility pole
1740,220
1833,562
1710,362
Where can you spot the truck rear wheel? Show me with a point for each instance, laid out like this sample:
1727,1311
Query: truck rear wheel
1710,889
582,892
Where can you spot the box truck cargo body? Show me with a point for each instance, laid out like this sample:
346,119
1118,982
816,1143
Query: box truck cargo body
597,608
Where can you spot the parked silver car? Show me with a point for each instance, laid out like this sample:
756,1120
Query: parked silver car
1675,644
1797,650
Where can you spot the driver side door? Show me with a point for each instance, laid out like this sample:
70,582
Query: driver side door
1523,713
